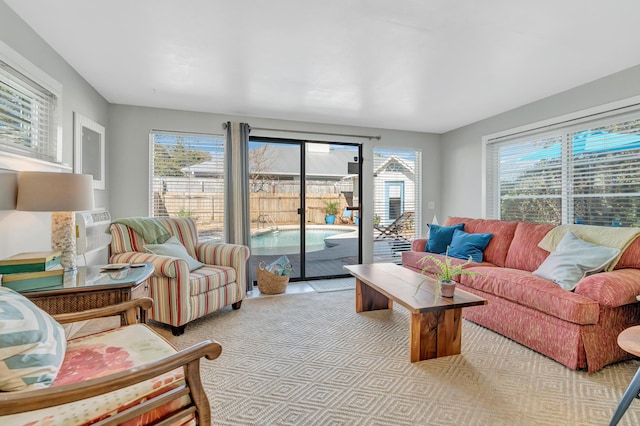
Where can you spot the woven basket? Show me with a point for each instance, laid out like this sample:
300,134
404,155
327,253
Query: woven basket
269,283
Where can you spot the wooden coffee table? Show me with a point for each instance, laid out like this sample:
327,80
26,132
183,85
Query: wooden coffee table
436,323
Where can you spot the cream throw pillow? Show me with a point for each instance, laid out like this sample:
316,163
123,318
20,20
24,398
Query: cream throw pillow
573,260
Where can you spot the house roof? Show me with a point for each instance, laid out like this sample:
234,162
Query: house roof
285,161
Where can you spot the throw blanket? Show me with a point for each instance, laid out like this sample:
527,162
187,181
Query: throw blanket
150,229
619,238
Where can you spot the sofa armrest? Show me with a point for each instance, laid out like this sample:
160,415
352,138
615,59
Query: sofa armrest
163,266
419,244
127,310
612,289
18,402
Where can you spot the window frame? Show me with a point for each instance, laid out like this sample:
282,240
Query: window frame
19,162
202,234
564,126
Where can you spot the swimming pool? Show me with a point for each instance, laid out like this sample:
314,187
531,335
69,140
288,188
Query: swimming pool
288,241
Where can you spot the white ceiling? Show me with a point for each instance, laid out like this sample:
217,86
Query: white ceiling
421,65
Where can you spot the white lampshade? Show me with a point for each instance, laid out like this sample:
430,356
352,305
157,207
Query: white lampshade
54,192
62,194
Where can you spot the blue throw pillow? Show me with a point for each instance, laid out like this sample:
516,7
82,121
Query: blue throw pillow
464,245
440,237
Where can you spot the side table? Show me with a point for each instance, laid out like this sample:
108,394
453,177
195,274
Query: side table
629,340
90,288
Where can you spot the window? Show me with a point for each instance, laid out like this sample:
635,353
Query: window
28,109
582,172
397,178
188,180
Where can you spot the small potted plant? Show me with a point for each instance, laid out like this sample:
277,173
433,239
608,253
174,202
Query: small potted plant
331,209
444,272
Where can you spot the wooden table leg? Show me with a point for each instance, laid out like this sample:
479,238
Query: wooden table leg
368,299
435,334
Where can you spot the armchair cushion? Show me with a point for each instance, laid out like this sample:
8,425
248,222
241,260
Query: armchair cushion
32,344
102,354
174,248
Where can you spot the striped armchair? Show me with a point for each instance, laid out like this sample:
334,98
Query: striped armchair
179,295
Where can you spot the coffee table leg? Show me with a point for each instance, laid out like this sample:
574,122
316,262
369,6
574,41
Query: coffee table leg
368,299
435,334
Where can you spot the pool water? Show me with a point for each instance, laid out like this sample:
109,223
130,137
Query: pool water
288,241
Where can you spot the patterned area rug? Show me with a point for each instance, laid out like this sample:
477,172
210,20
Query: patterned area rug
309,359
339,284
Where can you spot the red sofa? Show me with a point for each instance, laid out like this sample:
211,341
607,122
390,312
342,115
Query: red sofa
579,328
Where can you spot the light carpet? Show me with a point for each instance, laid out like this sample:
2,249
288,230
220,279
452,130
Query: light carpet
310,359
337,284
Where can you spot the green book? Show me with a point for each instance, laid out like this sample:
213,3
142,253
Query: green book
36,261
34,280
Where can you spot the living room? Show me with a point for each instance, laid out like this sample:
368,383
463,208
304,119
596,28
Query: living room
452,179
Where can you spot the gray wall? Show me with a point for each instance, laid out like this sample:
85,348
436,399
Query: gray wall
25,231
128,157
462,148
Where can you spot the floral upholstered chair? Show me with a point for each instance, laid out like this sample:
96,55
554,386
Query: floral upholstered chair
191,278
124,375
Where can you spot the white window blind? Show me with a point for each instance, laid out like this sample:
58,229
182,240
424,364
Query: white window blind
28,116
188,180
585,173
397,200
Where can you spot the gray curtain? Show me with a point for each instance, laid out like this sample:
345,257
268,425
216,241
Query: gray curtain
237,188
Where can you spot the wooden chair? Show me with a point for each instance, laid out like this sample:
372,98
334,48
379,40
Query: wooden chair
197,408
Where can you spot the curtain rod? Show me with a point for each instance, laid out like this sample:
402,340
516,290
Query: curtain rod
378,137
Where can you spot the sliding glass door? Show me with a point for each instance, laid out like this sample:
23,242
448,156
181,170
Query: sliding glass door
294,186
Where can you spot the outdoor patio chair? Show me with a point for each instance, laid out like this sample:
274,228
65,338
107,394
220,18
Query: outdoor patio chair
347,216
395,229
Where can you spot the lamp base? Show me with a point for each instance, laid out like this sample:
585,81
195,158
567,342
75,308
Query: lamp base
63,238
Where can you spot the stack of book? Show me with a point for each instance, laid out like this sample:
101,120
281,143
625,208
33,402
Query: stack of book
32,271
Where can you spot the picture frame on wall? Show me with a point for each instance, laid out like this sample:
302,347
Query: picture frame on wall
89,149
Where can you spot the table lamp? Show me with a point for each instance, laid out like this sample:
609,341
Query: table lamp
62,194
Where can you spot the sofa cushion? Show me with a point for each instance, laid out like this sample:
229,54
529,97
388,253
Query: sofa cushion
526,289
465,245
32,344
524,252
503,231
440,237
414,260
573,259
174,248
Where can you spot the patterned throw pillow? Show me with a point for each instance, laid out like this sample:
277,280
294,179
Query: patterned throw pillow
32,344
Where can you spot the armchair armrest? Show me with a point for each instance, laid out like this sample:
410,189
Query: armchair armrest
18,402
222,254
126,310
163,266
